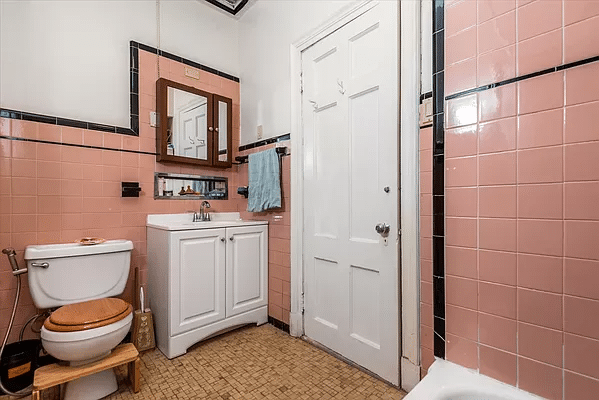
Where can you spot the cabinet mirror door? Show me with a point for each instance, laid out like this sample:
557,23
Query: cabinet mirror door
186,120
223,121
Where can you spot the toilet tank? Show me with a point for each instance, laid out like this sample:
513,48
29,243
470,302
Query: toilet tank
76,272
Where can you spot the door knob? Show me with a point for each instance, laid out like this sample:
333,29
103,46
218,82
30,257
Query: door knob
222,239
382,229
231,238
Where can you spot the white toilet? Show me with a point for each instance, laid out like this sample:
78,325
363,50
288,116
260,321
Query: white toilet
89,323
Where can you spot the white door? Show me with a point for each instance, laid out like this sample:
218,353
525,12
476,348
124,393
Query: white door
247,268
193,130
350,132
198,279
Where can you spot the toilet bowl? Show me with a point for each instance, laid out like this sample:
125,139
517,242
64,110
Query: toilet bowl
89,323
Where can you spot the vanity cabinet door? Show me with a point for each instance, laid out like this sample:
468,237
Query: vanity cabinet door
197,279
247,268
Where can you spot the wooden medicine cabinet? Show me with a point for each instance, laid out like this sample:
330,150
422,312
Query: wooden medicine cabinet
195,127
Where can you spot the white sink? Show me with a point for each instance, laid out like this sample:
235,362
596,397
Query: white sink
180,222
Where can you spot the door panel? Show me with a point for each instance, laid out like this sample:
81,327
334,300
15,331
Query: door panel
198,278
350,132
247,269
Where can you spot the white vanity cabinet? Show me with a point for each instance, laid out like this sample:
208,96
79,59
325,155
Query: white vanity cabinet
205,278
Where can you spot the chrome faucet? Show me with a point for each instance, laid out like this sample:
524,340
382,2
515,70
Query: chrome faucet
204,216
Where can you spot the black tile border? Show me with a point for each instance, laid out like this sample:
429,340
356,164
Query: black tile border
551,70
425,96
19,139
133,129
438,179
185,61
276,139
278,324
233,11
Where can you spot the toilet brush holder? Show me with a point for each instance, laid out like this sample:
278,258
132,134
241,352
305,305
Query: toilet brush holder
143,330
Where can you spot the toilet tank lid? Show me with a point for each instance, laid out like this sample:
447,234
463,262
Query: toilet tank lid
75,249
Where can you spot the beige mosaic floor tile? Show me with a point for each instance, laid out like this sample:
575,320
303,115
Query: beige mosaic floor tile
249,364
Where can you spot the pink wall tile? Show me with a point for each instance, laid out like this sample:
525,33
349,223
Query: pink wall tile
426,292
540,308
580,123
581,355
497,267
540,52
497,201
498,135
540,201
497,234
540,272
459,172
497,332
498,364
461,202
493,8
539,17
460,232
548,189
552,87
582,84
461,351
497,103
427,337
461,292
540,344
581,277
461,111
578,387
581,239
497,32
541,165
541,237
496,65
459,16
461,141
460,76
578,44
497,169
461,322
548,122
540,379
497,299
461,262
578,10
461,46
580,162
578,316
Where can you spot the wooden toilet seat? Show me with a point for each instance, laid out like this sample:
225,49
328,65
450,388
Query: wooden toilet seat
87,315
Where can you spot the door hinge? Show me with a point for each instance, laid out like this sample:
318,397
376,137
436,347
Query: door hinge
301,82
302,304
399,232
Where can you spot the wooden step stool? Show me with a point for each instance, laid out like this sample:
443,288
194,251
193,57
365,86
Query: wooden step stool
54,374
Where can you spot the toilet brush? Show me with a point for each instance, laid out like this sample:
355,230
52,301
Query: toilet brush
143,326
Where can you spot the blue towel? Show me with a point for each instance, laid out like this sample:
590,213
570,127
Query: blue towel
264,181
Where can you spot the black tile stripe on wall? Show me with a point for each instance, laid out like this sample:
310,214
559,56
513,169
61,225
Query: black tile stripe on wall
133,130
551,70
438,180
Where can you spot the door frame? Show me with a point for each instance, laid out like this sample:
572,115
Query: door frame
409,82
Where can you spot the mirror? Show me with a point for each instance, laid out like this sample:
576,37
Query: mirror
187,118
194,126
190,187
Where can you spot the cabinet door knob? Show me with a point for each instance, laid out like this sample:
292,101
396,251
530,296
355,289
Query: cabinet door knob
216,129
231,238
222,239
210,129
